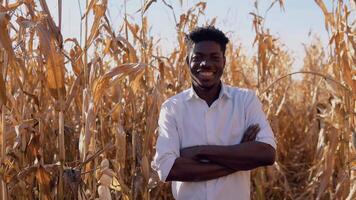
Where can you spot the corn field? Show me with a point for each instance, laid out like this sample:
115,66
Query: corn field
81,122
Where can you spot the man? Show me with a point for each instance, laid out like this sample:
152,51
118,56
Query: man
212,134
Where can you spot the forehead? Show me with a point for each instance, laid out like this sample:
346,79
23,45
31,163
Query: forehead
207,47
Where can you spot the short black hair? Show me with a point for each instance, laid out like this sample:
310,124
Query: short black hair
206,33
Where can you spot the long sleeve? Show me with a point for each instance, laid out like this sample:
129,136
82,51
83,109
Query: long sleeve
167,146
255,115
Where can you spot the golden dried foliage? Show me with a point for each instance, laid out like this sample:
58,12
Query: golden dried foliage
97,139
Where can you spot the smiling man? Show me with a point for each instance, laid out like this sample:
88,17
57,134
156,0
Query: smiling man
212,134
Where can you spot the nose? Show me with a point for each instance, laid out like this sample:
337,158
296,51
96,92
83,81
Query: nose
204,63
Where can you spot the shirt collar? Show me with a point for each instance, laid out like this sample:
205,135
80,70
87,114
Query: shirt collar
223,92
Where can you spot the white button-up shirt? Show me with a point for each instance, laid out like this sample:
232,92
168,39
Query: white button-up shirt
186,120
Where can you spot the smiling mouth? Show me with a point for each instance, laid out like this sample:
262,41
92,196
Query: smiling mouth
206,74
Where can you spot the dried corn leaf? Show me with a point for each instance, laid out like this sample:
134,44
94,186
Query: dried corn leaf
129,49
134,29
54,62
55,73
136,82
146,5
103,83
73,91
5,40
329,164
76,57
90,7
53,29
99,87
11,6
99,10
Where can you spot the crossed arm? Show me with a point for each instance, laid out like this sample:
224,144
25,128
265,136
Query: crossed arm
200,163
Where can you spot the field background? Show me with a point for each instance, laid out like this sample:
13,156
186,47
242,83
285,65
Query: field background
79,113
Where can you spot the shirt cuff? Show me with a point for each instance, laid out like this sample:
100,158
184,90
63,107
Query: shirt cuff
163,167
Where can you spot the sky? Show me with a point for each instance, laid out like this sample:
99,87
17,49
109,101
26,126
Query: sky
291,26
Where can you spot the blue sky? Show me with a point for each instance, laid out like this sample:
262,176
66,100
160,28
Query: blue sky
291,27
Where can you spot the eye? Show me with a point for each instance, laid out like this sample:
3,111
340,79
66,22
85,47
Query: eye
196,58
216,58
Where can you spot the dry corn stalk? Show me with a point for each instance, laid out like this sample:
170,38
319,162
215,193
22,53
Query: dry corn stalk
118,83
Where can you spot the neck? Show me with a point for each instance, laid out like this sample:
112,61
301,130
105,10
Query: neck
209,95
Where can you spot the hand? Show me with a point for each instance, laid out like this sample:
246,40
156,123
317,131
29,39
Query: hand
251,133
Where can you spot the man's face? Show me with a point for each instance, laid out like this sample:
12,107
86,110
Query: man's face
206,63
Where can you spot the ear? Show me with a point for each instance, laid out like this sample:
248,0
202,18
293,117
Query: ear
187,60
224,60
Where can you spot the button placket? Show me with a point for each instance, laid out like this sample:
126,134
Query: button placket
210,137
208,125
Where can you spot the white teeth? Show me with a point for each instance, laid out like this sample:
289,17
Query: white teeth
206,73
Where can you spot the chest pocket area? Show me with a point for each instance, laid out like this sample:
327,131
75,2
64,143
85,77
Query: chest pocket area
229,129
192,132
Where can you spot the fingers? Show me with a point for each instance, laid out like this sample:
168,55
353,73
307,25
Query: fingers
247,133
251,136
251,133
